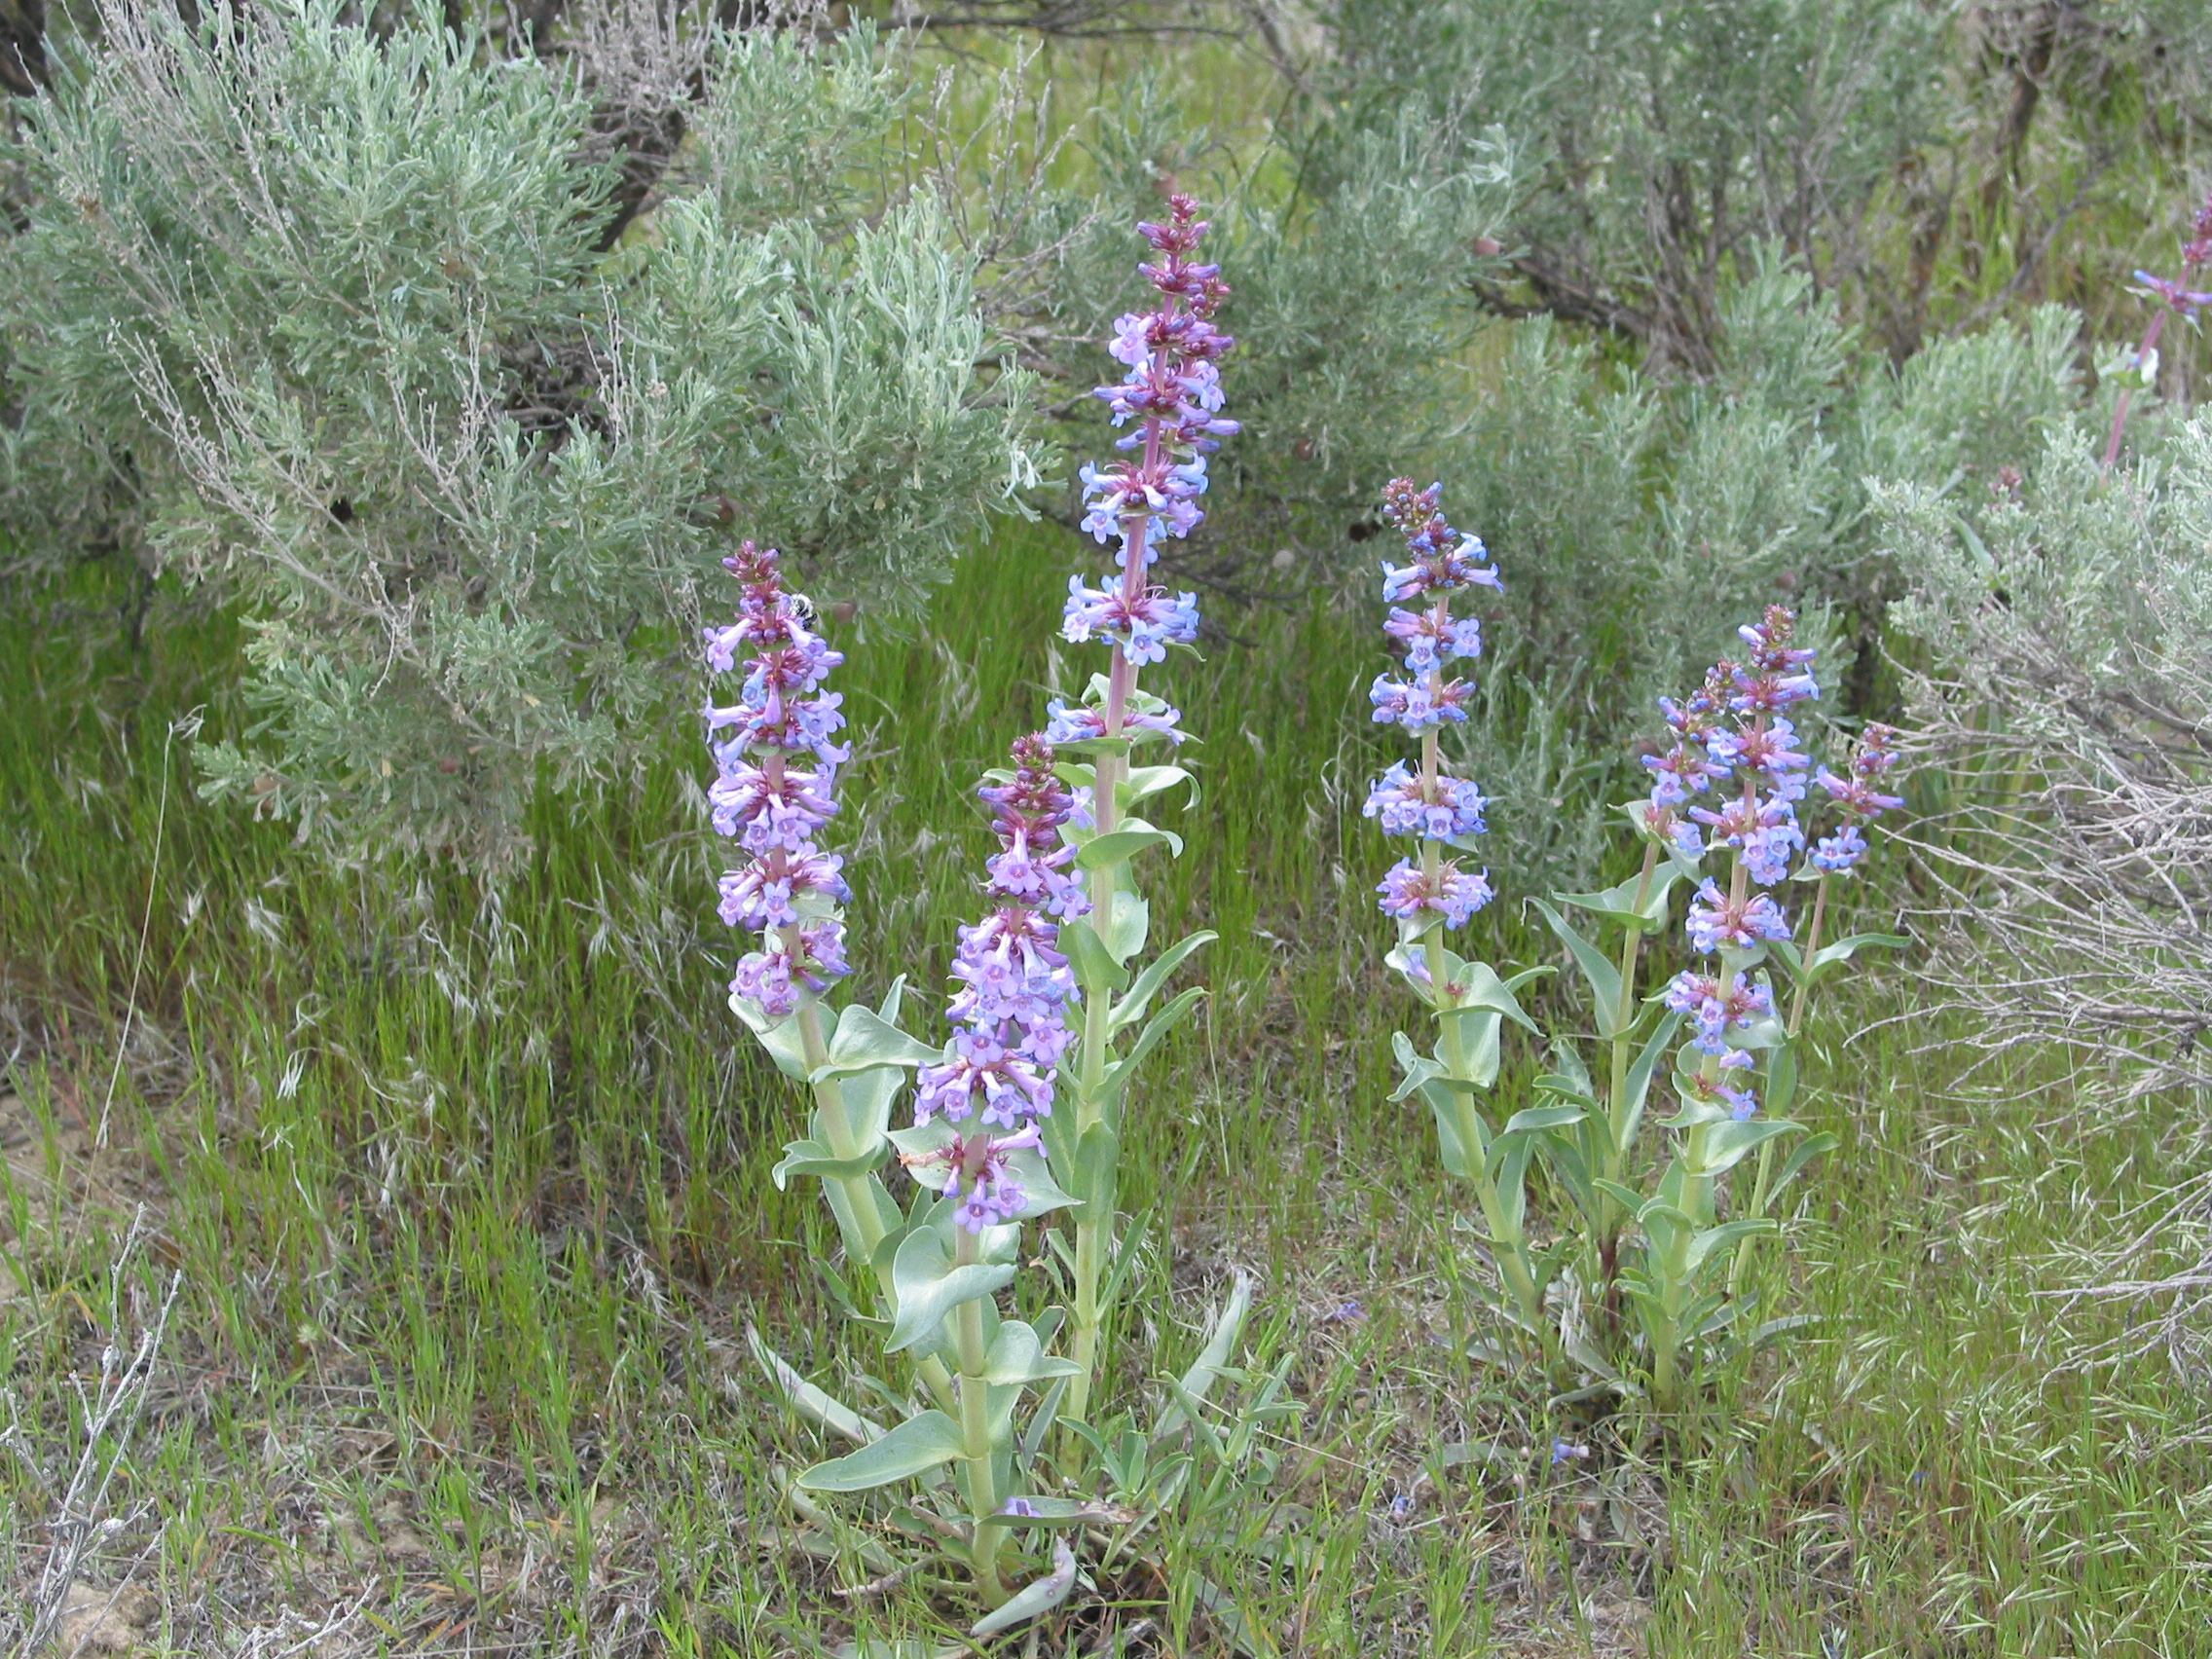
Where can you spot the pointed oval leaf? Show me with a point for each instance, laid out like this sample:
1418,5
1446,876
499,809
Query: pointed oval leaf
1535,1118
1147,984
865,1041
1119,846
918,1445
812,1158
1602,978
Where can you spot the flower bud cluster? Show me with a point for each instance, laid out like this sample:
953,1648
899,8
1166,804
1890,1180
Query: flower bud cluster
1172,391
1015,986
1429,804
775,786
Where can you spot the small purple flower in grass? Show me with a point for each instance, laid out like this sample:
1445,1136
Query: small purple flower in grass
1450,893
1019,1508
789,891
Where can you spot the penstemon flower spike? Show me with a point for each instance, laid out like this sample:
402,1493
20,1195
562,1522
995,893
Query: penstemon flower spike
1430,897
1649,1275
975,1142
774,790
1172,394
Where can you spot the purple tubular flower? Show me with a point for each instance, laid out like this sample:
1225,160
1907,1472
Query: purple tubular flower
1453,892
1419,703
1082,723
1840,851
975,1169
1762,748
2177,295
1403,805
1764,830
1679,773
788,890
1016,987
1144,625
1718,921
1713,1013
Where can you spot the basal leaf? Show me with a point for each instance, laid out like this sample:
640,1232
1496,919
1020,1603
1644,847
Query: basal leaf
919,1444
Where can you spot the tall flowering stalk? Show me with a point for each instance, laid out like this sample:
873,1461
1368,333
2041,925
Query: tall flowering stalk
1170,397
1429,897
1731,786
930,1272
975,1143
2176,298
1649,1272
774,792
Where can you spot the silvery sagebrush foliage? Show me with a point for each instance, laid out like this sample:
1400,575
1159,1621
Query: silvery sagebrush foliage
2064,684
1728,790
329,318
1634,516
2063,687
1665,144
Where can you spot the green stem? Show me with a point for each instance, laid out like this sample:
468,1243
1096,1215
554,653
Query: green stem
1812,948
989,1535
1611,1218
1094,1232
1508,1240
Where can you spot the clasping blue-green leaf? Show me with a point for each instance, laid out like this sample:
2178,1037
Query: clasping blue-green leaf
1119,846
1604,979
1146,986
865,1041
929,1284
919,1444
